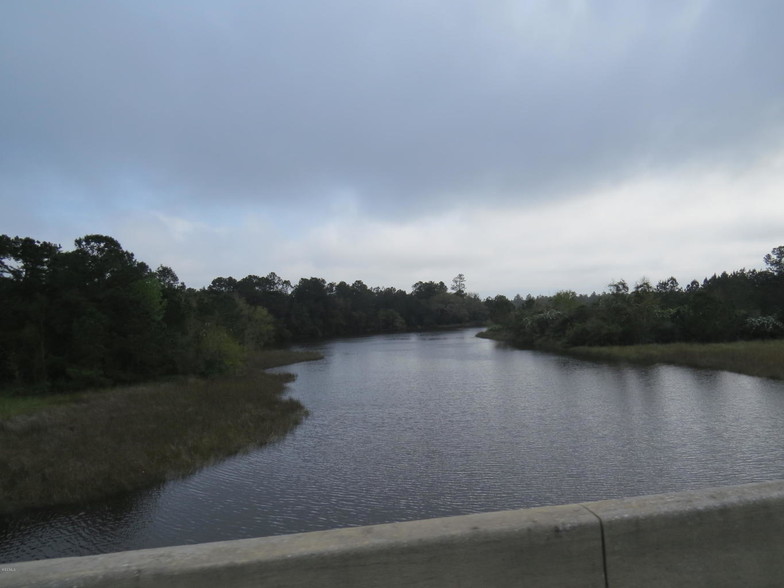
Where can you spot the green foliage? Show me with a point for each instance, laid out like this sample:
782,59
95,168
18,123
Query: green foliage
499,308
14,405
565,301
218,352
426,290
763,327
259,329
148,295
459,285
739,305
775,260
87,317
96,316
390,320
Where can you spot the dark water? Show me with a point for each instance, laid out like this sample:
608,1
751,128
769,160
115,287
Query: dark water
424,425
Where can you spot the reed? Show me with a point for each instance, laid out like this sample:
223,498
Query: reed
106,442
12,405
754,358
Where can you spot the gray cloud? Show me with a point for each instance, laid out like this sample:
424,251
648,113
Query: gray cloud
409,106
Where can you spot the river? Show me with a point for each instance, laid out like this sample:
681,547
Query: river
424,425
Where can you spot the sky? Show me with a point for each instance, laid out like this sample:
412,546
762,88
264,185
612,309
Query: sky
533,146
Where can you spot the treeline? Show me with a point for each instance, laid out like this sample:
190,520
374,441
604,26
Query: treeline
97,316
744,304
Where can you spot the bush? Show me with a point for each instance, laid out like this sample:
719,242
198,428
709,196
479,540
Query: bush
762,327
218,352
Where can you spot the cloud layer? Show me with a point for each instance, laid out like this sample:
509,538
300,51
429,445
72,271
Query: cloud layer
305,129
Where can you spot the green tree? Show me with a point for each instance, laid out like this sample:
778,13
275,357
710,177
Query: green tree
217,351
25,310
122,337
459,285
499,308
308,312
565,301
775,260
426,290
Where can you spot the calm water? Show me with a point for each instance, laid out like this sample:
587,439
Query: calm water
424,425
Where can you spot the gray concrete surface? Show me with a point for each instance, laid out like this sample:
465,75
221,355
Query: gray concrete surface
731,536
554,546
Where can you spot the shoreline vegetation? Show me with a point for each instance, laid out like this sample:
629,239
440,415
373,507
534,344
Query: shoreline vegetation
66,449
759,358
95,316
84,321
72,448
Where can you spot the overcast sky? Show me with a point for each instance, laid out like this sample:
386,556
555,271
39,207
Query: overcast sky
533,146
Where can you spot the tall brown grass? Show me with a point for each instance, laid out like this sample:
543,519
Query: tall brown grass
754,358
113,441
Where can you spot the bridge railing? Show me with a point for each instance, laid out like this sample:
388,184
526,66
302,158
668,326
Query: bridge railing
730,536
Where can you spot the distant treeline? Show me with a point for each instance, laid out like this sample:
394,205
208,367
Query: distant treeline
96,316
744,304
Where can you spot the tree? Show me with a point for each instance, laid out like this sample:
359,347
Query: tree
448,309
126,300
425,290
459,285
223,285
270,291
390,320
25,309
775,260
89,316
667,286
565,301
308,313
168,278
24,259
619,288
500,308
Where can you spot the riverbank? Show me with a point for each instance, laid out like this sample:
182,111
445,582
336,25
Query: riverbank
104,442
763,358
495,333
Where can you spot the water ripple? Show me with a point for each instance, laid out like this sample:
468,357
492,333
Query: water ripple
418,426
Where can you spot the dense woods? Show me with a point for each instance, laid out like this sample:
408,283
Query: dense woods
744,304
96,316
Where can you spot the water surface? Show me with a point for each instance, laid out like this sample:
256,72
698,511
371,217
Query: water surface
415,426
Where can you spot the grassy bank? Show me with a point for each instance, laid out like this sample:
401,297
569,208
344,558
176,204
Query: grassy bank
754,358
11,406
81,447
496,333
764,359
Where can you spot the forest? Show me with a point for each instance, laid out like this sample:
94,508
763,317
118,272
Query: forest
96,316
741,305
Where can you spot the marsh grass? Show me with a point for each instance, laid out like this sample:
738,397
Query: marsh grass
754,358
277,357
13,405
496,333
106,442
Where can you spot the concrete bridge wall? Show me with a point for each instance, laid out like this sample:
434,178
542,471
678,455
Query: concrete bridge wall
732,536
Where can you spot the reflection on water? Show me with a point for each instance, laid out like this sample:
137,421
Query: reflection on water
111,525
423,425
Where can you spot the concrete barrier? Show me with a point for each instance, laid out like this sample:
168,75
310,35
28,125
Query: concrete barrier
730,536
